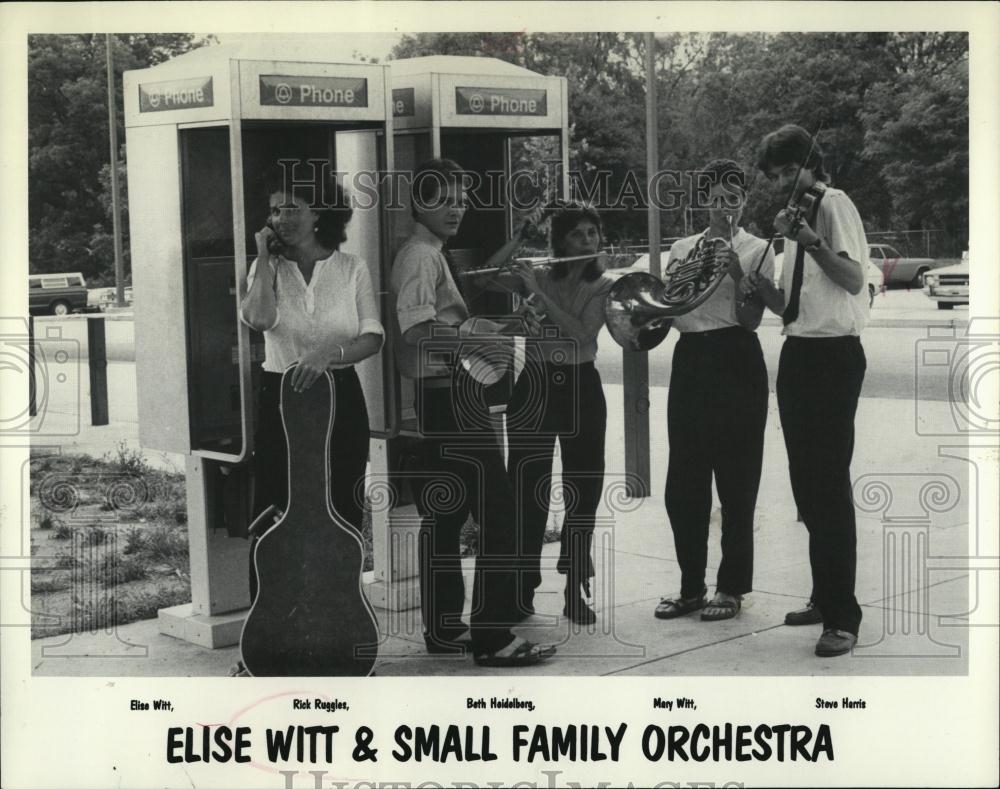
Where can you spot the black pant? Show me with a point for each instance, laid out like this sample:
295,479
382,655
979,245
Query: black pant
716,412
464,460
564,402
348,451
819,382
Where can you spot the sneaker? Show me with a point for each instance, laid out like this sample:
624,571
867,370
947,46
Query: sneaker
810,615
835,642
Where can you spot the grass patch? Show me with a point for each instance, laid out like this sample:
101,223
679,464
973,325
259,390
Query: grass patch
130,557
122,571
164,544
44,584
62,530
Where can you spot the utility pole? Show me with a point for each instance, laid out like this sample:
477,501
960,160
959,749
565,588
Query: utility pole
115,197
635,365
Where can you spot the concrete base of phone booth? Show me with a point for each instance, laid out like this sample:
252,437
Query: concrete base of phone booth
220,594
211,632
395,583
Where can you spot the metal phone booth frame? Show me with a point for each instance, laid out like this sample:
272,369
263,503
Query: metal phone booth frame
470,109
201,129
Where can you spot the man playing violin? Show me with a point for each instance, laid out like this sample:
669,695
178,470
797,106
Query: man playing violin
716,411
824,306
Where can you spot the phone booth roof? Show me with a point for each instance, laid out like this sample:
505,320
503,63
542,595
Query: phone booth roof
449,91
257,81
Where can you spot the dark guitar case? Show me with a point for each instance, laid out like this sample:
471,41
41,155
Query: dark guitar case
311,617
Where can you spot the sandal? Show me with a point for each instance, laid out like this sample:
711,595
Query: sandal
722,608
671,608
516,654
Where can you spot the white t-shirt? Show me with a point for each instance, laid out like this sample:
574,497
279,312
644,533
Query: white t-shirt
825,308
719,311
337,306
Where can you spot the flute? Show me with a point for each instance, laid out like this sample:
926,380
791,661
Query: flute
534,263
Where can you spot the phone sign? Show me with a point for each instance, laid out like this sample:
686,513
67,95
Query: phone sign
301,91
403,103
181,94
501,101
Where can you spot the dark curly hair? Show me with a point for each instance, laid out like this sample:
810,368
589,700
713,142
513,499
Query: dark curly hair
791,145
323,195
566,216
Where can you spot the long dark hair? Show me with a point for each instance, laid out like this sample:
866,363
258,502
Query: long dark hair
565,217
326,197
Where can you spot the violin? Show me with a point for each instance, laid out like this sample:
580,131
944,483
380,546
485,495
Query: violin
804,209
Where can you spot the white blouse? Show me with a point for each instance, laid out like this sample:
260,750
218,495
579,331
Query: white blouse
337,306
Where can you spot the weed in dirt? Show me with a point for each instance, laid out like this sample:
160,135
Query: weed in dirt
43,584
121,570
134,540
127,460
165,544
62,530
96,536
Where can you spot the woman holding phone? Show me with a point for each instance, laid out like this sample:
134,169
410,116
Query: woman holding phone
317,310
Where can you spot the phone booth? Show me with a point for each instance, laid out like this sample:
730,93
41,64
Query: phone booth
508,127
201,130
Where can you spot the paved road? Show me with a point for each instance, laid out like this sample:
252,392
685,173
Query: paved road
895,342
892,354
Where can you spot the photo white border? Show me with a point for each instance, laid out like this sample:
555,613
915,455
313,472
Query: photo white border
78,732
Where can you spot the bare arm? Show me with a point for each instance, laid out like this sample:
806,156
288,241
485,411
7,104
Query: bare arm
260,306
748,311
754,287
838,266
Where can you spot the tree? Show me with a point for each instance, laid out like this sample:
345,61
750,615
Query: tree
917,137
69,212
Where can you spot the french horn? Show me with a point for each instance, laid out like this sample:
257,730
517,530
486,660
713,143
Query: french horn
639,309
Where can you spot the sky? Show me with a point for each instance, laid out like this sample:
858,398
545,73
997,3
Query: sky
342,45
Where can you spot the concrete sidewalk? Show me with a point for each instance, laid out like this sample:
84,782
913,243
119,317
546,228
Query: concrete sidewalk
913,503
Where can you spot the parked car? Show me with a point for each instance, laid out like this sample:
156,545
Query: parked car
897,269
56,294
949,285
873,277
105,298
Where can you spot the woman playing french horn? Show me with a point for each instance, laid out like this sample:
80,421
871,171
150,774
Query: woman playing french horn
559,396
716,411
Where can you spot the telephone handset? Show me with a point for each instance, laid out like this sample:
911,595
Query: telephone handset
274,244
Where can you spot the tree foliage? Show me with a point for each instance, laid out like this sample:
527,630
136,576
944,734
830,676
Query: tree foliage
891,108
69,200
